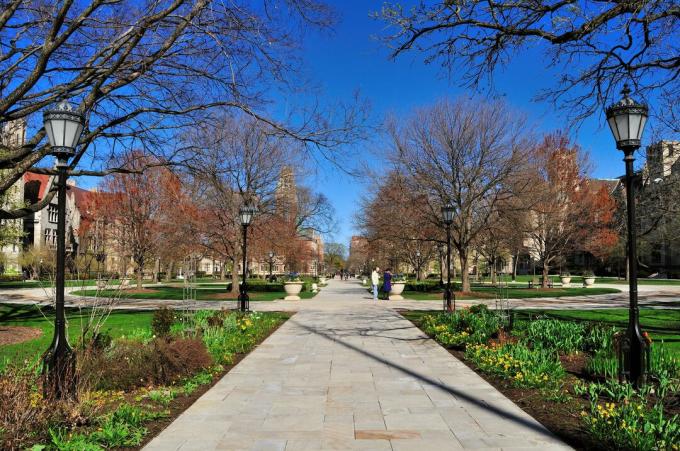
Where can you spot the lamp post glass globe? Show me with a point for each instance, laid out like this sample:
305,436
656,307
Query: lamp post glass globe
246,214
63,126
627,120
447,213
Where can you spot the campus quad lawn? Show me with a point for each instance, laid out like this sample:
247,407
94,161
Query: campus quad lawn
176,293
662,324
512,293
119,323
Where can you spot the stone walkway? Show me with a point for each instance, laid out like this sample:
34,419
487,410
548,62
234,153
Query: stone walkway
345,373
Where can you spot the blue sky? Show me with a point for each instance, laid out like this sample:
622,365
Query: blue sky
350,58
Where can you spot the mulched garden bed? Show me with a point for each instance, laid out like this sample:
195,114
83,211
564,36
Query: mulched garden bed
562,418
10,335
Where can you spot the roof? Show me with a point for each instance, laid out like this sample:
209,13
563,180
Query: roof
82,197
43,182
610,184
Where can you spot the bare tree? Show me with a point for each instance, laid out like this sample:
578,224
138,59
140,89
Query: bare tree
132,206
596,45
314,212
565,211
397,221
465,153
146,72
335,255
238,163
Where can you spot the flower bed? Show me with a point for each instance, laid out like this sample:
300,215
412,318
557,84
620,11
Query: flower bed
564,373
130,385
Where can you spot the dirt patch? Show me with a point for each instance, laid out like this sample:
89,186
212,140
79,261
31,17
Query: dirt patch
10,335
575,363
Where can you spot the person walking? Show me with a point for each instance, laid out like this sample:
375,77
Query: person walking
387,283
375,279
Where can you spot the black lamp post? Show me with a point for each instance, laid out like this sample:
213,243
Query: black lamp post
627,120
447,218
271,263
418,265
441,249
64,127
246,214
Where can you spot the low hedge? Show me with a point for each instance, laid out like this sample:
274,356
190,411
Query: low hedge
423,285
261,286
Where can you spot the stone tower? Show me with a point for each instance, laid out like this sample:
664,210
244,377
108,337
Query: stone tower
286,193
663,159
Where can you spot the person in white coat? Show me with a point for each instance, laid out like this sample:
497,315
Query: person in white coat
375,279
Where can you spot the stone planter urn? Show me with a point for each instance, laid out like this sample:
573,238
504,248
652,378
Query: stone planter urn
293,290
322,280
396,290
588,281
315,288
566,281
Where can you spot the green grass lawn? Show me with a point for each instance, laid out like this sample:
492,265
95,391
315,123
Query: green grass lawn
177,293
662,324
512,293
118,323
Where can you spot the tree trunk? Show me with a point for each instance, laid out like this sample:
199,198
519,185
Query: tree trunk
514,266
140,275
465,276
169,269
234,276
546,268
223,271
493,271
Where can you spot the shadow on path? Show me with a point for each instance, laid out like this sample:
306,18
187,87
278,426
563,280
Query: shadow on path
533,425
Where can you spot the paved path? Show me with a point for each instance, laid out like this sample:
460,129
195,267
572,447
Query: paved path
344,374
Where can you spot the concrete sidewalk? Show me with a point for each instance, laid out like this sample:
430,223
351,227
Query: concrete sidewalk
344,374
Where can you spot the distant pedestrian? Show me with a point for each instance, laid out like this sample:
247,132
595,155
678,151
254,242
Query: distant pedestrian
387,283
375,279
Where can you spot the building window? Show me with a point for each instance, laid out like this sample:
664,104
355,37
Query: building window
52,213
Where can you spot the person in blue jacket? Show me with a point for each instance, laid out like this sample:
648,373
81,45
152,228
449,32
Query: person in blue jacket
387,283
